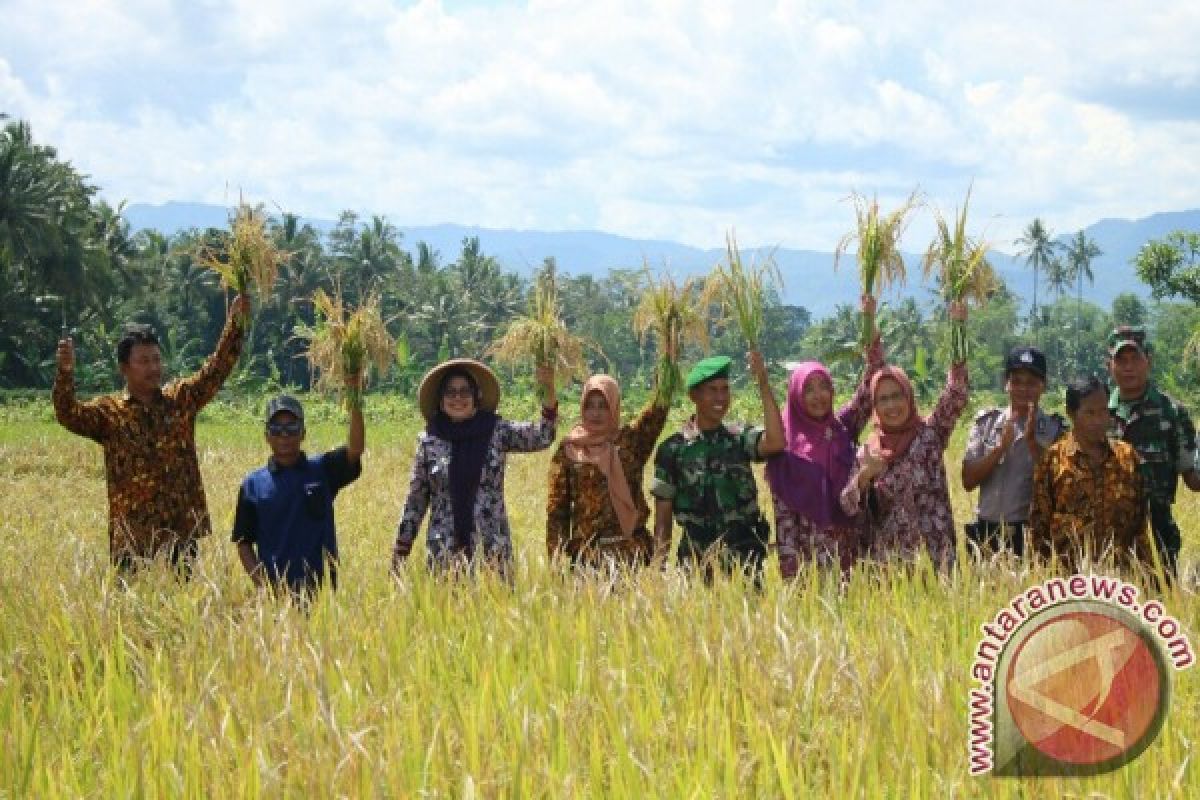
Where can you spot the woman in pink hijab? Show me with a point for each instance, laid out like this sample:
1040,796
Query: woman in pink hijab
596,511
900,481
807,478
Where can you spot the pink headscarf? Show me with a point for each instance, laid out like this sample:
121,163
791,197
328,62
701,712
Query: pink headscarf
893,443
595,446
809,475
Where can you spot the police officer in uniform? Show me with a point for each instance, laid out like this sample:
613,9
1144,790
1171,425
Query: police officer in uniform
1003,446
1159,428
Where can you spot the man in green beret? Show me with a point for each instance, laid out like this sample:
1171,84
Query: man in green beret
1159,428
703,477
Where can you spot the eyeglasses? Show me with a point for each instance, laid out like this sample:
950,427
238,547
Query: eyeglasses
462,393
294,428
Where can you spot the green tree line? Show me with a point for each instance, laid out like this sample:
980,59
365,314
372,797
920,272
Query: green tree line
69,262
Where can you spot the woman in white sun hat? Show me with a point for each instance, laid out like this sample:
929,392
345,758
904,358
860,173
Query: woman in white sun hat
458,470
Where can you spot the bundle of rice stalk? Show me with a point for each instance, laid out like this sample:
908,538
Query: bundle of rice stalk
741,291
880,263
542,336
676,316
246,255
342,344
961,266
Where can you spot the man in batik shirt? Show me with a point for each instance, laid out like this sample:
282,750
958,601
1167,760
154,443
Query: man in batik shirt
156,503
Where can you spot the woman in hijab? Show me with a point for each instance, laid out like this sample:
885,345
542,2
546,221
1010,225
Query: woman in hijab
807,478
596,511
900,480
458,471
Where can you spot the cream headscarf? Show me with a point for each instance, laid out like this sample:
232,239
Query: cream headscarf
595,446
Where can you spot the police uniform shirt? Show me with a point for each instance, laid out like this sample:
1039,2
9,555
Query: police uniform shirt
1006,494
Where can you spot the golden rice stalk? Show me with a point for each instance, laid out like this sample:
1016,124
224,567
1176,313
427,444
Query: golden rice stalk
542,337
960,265
880,262
676,316
741,291
343,344
1191,351
246,256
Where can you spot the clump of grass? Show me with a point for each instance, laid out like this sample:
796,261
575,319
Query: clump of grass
246,257
676,316
541,336
741,291
880,262
962,269
343,344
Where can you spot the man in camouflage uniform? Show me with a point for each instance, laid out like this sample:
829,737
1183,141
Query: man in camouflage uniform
1003,446
1159,428
703,476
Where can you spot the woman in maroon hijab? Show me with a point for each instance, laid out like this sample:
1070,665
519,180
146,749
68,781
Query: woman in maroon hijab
807,478
900,482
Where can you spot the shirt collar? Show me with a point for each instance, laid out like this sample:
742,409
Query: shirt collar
692,432
1071,445
274,467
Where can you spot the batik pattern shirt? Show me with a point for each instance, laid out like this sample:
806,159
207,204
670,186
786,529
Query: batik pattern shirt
580,519
708,478
155,493
429,490
907,508
1079,505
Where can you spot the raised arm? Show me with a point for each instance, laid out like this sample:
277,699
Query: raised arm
196,390
356,437
642,434
415,506
772,441
950,405
84,419
857,412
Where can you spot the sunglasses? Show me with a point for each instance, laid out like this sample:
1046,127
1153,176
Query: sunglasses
294,428
463,393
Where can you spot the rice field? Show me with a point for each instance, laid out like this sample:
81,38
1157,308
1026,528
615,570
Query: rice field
554,687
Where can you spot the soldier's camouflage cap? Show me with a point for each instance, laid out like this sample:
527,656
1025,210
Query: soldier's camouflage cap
707,369
1128,336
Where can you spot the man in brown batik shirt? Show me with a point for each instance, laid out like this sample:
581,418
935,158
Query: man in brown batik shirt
156,503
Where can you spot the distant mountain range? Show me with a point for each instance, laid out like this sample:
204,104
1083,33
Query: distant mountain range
809,278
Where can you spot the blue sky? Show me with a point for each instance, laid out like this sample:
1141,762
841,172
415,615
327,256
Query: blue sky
671,120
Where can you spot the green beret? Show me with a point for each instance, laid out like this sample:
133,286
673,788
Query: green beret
709,368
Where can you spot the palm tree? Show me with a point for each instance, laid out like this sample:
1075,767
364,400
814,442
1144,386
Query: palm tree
1038,252
1080,253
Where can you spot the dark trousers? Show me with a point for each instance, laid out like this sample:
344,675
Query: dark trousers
1167,538
987,537
180,554
741,550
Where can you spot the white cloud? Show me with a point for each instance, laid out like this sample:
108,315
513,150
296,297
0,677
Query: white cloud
663,119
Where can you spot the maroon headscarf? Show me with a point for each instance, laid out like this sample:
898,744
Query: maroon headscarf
893,443
809,475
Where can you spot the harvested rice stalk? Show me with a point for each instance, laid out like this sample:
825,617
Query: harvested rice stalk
246,255
541,336
880,263
342,346
962,269
742,292
676,316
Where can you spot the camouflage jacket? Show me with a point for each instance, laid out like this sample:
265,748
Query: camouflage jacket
1161,431
708,479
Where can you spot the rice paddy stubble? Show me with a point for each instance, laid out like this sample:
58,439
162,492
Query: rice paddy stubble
554,686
